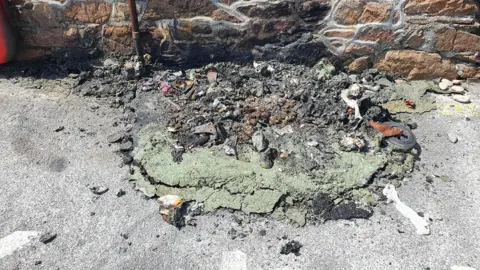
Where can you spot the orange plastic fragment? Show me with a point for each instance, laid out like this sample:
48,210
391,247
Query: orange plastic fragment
386,130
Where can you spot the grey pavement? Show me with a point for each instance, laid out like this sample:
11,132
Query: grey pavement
45,177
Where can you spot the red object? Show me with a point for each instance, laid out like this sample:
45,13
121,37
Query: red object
7,39
410,103
386,130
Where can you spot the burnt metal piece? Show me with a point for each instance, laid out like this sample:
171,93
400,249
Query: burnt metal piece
135,29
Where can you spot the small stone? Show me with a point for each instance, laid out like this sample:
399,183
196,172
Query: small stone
127,146
429,179
461,99
121,192
124,235
447,82
58,129
47,237
242,235
312,143
259,141
446,178
98,190
457,82
127,160
443,86
116,137
267,157
232,233
458,89
128,127
38,262
452,137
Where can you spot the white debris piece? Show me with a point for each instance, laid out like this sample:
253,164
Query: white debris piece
461,99
419,223
458,89
457,82
257,66
447,82
350,102
456,267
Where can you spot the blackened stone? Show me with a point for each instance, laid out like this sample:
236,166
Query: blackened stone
348,211
202,28
322,203
47,237
312,11
324,207
291,247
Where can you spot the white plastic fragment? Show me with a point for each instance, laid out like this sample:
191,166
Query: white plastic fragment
419,223
350,102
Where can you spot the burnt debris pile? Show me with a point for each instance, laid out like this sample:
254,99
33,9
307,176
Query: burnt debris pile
292,142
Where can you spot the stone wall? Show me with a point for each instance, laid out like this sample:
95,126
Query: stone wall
414,38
